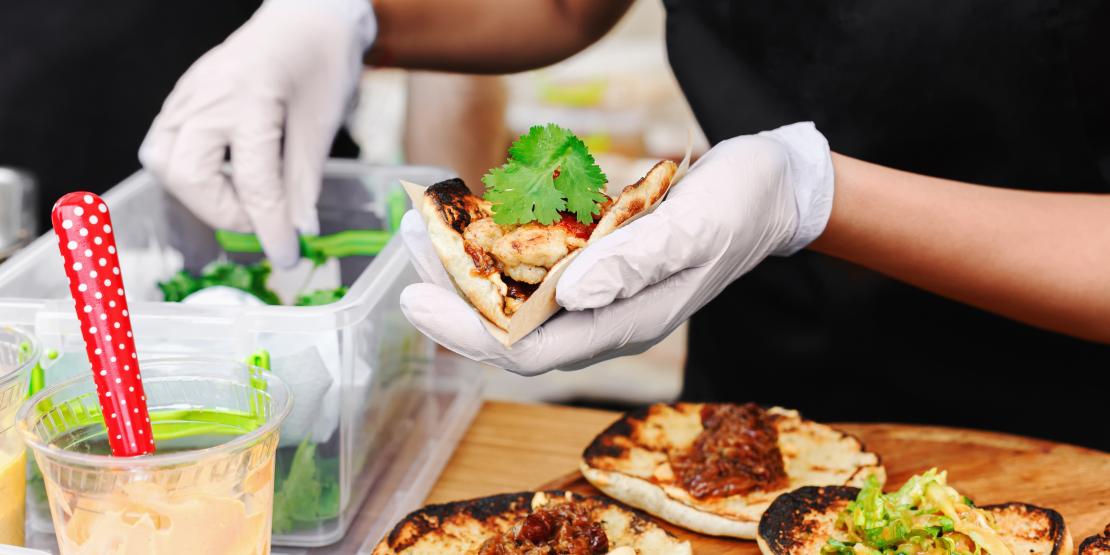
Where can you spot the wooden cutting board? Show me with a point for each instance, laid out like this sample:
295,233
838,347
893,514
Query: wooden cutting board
988,467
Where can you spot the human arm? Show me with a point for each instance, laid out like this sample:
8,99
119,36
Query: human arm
488,36
1037,257
275,92
1040,258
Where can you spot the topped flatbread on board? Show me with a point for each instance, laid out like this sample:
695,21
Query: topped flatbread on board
498,268
804,521
547,522
1096,545
714,468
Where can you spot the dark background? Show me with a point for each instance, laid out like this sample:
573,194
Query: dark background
81,81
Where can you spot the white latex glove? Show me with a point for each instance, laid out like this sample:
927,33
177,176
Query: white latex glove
275,92
748,198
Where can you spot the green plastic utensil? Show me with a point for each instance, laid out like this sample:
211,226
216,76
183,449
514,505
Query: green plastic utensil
355,242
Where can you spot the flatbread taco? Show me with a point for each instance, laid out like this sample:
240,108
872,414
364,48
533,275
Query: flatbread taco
506,250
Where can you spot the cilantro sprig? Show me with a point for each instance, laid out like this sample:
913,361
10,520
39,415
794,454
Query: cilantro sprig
251,278
549,170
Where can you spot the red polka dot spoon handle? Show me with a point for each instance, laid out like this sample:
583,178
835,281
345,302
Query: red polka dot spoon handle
88,245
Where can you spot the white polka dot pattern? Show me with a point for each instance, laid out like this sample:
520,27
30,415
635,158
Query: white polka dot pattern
102,302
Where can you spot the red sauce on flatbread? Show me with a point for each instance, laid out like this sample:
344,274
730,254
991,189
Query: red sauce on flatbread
574,227
737,452
570,223
565,529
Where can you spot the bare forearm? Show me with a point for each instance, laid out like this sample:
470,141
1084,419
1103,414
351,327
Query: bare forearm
1041,258
488,36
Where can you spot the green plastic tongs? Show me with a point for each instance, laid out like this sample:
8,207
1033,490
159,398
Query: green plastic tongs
354,242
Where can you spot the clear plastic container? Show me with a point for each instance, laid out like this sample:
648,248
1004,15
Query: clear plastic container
18,353
209,487
354,365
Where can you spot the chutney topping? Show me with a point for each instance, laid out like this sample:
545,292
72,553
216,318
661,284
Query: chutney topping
484,264
565,529
575,228
519,289
736,452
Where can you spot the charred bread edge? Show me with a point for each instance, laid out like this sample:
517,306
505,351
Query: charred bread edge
1097,541
427,518
446,212
787,513
1061,537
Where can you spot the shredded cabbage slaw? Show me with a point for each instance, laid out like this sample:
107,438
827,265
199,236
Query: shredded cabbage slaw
925,516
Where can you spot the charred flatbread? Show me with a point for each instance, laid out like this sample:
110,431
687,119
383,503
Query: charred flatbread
1097,544
801,522
508,272
548,522
714,468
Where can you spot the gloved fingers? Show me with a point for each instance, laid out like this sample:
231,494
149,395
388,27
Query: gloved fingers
313,116
637,256
194,174
633,325
157,147
256,171
303,172
694,226
449,320
578,339
204,89
569,340
422,252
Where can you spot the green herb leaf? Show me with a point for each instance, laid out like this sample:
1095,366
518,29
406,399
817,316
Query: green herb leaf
179,286
251,279
321,297
306,489
549,170
299,494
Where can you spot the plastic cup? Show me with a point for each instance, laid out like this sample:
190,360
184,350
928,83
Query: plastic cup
18,354
208,489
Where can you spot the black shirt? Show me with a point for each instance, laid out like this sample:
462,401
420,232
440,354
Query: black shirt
1011,93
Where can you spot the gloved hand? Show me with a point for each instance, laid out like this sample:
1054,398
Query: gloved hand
747,198
275,92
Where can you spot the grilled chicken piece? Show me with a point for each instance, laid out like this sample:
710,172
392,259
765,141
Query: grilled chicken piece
484,233
531,244
526,273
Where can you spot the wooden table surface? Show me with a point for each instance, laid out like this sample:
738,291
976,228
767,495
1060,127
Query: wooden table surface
515,447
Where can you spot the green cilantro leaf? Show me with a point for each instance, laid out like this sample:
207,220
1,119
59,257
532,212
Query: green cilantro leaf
251,279
321,297
521,194
549,170
577,178
306,490
180,285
